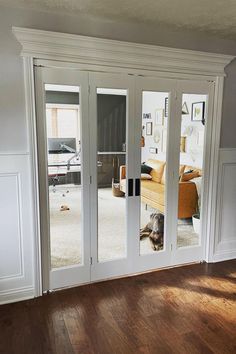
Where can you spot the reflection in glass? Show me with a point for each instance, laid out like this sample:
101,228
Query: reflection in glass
111,173
153,170
191,169
64,174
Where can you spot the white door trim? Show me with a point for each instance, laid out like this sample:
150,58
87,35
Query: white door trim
109,55
106,52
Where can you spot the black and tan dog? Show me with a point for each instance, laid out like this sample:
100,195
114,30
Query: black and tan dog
154,230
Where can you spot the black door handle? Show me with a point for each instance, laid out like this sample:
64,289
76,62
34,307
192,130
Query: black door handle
130,187
137,187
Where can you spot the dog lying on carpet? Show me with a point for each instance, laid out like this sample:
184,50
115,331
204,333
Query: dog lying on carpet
155,231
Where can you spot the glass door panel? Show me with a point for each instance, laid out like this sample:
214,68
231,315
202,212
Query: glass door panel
191,169
154,128
111,165
153,148
111,131
64,174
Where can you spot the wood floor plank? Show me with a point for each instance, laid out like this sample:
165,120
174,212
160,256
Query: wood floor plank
191,309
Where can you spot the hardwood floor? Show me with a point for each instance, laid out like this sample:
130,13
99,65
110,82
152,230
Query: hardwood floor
191,309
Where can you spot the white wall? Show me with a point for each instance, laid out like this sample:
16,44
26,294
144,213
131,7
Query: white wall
194,147
17,269
154,103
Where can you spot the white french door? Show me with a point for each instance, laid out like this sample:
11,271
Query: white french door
63,155
156,128
111,119
193,134
94,131
174,118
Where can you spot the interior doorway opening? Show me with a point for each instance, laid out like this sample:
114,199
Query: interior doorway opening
104,214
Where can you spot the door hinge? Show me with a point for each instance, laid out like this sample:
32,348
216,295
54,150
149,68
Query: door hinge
89,89
90,179
91,260
176,96
171,246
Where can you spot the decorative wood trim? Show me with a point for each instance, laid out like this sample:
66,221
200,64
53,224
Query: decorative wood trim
14,153
14,295
223,249
18,202
107,52
214,168
87,52
31,119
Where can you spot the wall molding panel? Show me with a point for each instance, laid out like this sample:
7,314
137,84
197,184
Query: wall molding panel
16,236
225,237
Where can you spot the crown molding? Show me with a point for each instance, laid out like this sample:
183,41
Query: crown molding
106,52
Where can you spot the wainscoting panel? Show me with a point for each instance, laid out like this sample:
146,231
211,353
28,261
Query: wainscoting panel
16,228
10,226
225,238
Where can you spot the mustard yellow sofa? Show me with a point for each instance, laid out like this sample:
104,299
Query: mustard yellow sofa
153,191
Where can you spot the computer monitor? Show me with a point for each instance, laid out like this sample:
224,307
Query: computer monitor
61,145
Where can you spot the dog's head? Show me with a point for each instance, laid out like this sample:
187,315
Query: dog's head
157,220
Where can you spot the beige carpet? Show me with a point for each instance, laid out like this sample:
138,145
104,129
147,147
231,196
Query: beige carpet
65,227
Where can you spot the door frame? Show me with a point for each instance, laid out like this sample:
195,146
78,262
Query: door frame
74,51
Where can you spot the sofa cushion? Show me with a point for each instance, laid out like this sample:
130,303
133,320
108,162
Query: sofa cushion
157,169
181,171
154,191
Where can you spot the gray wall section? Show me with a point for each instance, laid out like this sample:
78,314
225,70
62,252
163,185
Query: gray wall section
13,127
61,97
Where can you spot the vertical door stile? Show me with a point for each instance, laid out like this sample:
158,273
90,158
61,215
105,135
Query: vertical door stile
63,149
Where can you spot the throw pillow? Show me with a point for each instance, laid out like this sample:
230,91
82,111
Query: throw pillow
187,176
145,176
145,169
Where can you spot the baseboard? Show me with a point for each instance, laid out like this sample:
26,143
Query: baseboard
16,295
224,256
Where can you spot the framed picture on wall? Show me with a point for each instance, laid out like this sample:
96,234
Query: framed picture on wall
149,128
159,116
198,110
166,107
147,116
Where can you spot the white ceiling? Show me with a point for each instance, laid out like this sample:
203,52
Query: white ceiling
211,16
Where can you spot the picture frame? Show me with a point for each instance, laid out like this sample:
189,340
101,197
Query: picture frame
185,109
159,116
147,116
166,109
153,150
164,140
200,138
157,135
149,128
198,111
